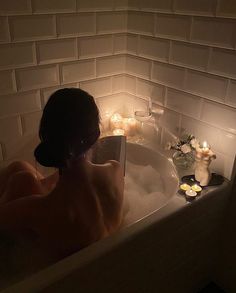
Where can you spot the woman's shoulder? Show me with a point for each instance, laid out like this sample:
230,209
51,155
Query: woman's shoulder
110,168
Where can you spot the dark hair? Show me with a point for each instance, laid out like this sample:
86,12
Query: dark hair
69,127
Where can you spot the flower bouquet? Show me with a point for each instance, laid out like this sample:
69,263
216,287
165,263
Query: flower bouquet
184,148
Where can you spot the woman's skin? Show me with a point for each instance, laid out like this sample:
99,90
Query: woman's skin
64,212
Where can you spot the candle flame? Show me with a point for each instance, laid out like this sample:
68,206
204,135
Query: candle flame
116,117
205,144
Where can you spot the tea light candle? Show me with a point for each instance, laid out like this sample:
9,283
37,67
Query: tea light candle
196,188
116,121
129,126
191,193
118,131
184,187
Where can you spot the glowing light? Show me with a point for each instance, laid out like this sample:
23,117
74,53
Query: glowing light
118,131
185,187
116,121
196,188
191,193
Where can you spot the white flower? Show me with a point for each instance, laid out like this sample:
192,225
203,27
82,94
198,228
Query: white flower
194,143
185,148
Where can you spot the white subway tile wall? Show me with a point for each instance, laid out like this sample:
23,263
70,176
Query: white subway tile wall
201,7
189,46
45,6
48,45
180,53
32,27
56,51
15,7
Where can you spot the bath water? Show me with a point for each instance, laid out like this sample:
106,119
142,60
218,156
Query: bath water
144,192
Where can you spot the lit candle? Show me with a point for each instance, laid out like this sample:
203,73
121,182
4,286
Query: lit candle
184,187
129,126
196,188
116,121
118,131
205,147
191,193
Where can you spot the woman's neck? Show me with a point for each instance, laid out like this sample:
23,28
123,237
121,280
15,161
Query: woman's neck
74,165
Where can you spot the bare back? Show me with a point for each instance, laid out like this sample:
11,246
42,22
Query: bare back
85,206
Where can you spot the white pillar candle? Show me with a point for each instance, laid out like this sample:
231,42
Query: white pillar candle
116,121
118,131
129,126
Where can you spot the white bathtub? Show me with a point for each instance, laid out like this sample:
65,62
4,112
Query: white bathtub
151,254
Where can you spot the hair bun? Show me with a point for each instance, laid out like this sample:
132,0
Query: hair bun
48,157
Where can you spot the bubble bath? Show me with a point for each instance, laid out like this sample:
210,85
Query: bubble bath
144,192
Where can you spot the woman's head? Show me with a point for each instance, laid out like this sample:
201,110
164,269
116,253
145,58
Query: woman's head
69,127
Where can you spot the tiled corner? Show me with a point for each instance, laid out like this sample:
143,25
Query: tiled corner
111,104
96,46
132,44
106,66
119,43
138,66
97,87
123,83
154,48
150,89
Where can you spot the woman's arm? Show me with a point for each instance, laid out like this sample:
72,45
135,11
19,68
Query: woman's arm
50,182
19,214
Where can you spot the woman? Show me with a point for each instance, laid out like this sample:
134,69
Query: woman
80,203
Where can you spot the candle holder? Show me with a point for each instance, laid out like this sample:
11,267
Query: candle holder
204,156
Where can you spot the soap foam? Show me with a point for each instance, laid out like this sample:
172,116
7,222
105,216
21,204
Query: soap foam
144,192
